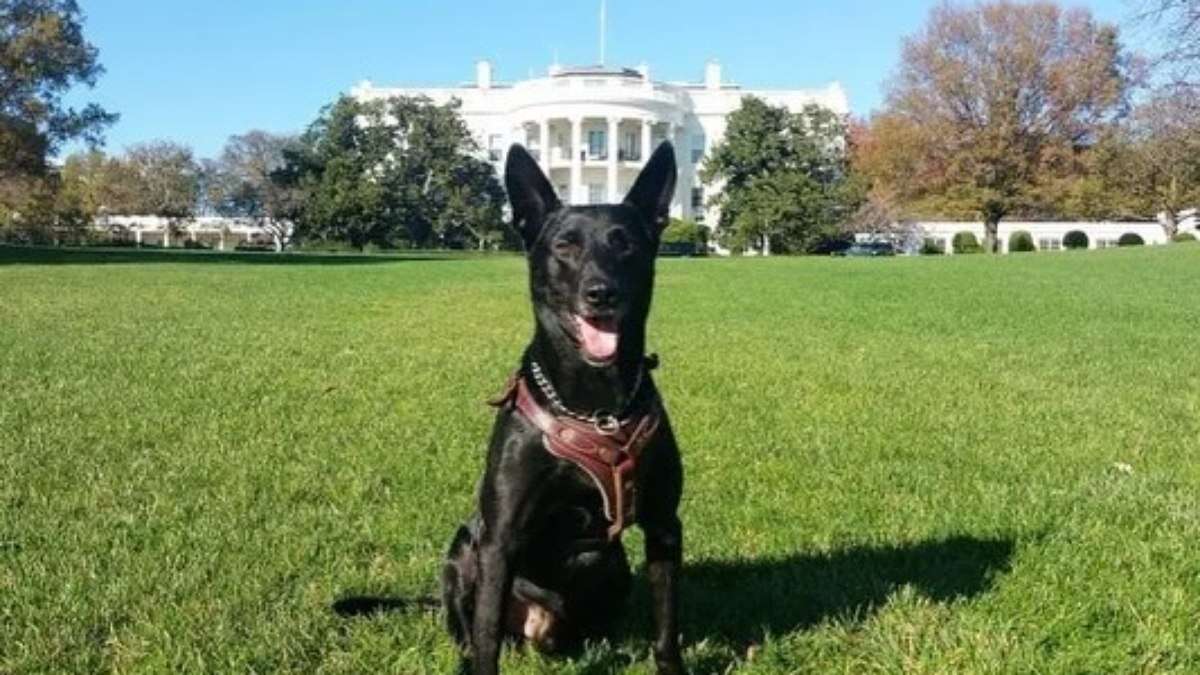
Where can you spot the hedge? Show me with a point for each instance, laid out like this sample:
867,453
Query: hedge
1021,242
1075,239
965,242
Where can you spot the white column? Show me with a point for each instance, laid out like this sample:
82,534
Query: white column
576,187
613,129
646,140
677,203
137,236
221,241
544,144
166,242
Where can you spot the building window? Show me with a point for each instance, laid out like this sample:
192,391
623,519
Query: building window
595,193
1105,243
1049,244
631,147
698,148
698,203
597,144
564,192
564,147
496,147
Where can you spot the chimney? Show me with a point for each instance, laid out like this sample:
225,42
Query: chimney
483,74
712,74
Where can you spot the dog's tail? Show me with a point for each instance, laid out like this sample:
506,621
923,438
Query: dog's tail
363,605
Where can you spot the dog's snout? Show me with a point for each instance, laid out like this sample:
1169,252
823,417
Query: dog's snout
600,294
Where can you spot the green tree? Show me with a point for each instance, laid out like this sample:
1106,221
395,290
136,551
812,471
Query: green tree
784,175
241,183
400,171
467,200
43,54
994,101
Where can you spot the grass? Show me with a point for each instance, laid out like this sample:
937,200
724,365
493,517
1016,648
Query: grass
966,464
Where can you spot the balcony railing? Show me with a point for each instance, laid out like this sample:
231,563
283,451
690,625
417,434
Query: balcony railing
563,154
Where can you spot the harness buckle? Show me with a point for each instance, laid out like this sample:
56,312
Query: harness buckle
606,423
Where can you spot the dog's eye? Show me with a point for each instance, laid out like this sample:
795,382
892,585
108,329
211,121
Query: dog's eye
618,241
566,246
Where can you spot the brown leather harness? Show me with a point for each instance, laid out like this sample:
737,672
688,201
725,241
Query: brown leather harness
607,454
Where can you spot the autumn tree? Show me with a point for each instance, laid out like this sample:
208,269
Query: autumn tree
1160,156
164,179
991,102
784,177
100,183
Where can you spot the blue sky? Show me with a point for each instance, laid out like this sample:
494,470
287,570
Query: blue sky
197,72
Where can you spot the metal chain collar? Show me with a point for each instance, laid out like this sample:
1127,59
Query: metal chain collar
604,421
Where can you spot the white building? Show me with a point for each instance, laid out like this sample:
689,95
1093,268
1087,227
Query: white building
591,128
1046,235
216,231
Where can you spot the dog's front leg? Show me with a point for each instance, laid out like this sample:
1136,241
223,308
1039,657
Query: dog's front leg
503,498
495,582
664,555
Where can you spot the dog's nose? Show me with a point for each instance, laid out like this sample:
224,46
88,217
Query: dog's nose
600,294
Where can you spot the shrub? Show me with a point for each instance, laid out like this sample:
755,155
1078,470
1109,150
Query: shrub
1131,239
681,235
1075,239
1181,237
253,246
931,247
189,244
965,242
1021,242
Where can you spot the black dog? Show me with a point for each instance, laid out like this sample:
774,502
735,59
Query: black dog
581,445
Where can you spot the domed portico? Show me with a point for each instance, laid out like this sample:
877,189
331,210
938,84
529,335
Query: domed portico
592,128
594,158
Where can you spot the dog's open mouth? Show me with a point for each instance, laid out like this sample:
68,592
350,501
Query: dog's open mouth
597,338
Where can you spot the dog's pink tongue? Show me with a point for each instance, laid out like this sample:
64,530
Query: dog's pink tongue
598,336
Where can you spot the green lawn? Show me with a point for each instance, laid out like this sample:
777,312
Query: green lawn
963,464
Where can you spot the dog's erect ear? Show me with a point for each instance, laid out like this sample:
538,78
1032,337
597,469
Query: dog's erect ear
655,187
529,193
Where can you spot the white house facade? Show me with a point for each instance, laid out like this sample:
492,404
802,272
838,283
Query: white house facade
592,128
1047,235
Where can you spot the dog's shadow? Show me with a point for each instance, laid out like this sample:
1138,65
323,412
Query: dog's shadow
740,602
737,603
